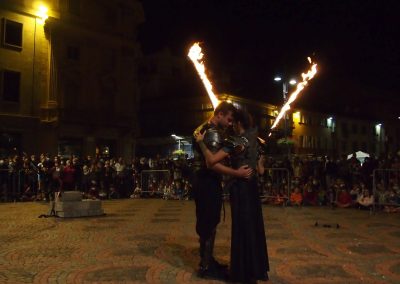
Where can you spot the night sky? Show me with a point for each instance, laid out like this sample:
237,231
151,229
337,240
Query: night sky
356,44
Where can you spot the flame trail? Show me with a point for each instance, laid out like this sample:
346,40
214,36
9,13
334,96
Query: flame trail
196,56
300,86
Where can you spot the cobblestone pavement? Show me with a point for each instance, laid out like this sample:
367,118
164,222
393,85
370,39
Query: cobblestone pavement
153,241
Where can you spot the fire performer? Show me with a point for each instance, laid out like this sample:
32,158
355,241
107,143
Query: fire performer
249,257
208,189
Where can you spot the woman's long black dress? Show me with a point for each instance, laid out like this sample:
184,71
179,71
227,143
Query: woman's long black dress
249,256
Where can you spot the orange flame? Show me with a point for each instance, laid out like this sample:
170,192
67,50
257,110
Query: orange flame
300,87
196,56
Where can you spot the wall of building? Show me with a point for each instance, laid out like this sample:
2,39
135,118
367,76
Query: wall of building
79,82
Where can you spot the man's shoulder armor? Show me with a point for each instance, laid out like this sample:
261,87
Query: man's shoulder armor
213,139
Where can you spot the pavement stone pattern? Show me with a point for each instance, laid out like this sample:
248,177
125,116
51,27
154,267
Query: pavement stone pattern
153,241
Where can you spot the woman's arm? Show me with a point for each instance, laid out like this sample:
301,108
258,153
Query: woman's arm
242,172
212,160
260,165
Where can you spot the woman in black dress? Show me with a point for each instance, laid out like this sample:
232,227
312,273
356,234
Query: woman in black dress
249,257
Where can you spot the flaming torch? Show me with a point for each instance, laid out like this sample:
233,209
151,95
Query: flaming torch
300,87
196,56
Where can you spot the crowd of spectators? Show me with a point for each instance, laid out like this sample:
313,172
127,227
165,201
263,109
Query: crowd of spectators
343,182
29,178
305,181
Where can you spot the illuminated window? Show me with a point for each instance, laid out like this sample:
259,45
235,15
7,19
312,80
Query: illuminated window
206,106
9,141
69,146
323,122
105,148
307,141
10,86
12,34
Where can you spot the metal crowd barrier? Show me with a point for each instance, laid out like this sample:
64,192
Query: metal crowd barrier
10,188
275,179
153,182
12,184
384,183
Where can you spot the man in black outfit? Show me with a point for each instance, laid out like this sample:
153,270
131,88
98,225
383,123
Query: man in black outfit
207,189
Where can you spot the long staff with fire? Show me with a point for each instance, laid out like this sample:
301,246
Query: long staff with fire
300,87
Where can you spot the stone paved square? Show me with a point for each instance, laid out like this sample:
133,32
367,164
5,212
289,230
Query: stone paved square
153,241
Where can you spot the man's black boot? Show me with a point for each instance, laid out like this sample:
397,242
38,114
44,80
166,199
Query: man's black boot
219,265
214,273
209,267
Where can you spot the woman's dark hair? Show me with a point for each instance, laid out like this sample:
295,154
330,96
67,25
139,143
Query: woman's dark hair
244,118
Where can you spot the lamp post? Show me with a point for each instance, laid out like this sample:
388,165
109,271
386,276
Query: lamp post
179,139
40,17
285,84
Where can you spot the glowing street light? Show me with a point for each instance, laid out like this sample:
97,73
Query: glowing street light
42,14
176,137
179,139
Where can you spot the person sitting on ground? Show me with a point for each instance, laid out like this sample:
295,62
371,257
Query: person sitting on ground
365,200
322,198
187,190
355,192
113,192
296,198
167,192
309,195
93,190
28,194
137,191
344,199
280,198
392,204
396,188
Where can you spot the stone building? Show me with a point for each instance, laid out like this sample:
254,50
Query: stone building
69,76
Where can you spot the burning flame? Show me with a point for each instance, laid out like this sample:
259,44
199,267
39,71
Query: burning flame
196,56
300,86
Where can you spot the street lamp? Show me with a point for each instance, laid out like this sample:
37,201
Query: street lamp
285,84
41,17
42,14
179,138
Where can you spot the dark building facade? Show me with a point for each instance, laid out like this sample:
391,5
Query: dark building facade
174,101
